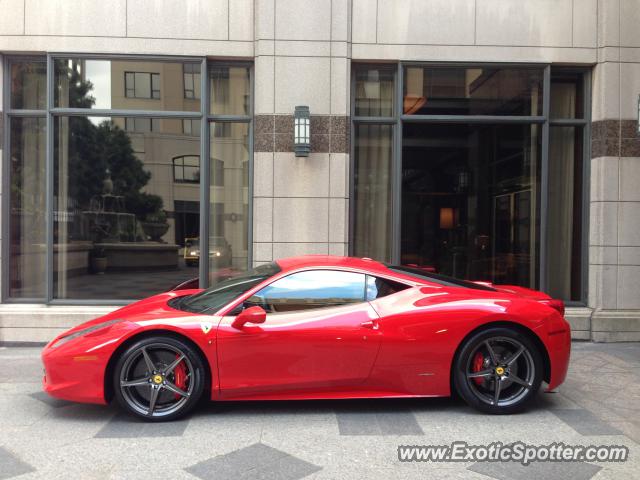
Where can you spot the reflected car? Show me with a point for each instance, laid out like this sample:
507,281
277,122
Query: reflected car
219,252
316,327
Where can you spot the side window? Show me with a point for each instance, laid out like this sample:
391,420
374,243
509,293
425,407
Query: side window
310,289
380,287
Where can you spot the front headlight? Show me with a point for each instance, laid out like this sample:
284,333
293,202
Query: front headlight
194,253
84,331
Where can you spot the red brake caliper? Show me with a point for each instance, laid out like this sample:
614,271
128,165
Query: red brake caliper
180,377
478,362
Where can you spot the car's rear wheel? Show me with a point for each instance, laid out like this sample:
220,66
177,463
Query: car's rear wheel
498,370
159,378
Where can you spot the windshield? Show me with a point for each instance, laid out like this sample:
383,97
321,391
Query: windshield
437,278
217,296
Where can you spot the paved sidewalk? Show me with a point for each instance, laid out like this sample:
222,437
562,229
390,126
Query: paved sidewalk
45,438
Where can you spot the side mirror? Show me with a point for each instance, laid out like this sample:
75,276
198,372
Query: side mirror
249,315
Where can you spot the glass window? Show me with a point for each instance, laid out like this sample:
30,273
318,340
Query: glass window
27,186
191,76
229,196
310,289
470,201
186,169
567,94
114,218
28,85
229,90
372,196
381,287
564,217
472,91
374,91
191,126
141,124
226,289
121,84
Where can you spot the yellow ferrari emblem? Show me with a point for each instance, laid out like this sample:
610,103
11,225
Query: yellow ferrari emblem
206,327
499,370
157,379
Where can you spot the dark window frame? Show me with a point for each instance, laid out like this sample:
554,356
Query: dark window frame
178,164
132,89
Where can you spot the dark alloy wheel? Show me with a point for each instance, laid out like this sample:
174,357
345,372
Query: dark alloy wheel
159,378
498,370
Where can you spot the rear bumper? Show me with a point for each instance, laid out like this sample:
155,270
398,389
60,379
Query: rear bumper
558,343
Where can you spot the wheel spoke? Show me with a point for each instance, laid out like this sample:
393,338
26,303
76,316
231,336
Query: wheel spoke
492,354
135,383
515,356
481,373
152,400
496,394
175,389
175,363
520,381
147,360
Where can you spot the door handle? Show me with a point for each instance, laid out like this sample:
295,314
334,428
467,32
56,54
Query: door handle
372,324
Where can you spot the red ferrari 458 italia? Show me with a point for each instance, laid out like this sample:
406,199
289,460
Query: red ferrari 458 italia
316,327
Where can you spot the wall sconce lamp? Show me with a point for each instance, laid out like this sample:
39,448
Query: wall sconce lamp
446,218
301,133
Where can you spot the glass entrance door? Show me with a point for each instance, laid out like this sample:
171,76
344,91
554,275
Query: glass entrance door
470,200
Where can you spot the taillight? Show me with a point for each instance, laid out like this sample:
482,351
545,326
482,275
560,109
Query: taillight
555,304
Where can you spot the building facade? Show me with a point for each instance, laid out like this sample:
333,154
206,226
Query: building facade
147,142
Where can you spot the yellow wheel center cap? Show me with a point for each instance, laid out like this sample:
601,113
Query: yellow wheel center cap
157,379
499,370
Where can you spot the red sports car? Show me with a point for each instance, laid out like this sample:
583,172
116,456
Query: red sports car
316,327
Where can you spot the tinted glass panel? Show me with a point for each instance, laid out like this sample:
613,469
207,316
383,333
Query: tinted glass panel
470,201
311,289
372,212
122,84
472,91
28,85
120,222
229,90
564,228
374,91
27,237
229,196
566,95
381,287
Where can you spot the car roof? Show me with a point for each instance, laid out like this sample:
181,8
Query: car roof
324,261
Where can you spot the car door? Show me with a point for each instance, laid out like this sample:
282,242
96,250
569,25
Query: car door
320,334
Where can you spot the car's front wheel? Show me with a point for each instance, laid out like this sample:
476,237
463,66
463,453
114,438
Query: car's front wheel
498,370
159,378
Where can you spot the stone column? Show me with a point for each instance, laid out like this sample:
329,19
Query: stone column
302,50
614,240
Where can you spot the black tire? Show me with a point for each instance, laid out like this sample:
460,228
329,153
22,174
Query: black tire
479,370
162,369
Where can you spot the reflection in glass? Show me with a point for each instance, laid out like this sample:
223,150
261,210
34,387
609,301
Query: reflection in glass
121,221
374,91
229,90
469,201
28,85
229,197
372,212
472,91
564,225
122,84
27,220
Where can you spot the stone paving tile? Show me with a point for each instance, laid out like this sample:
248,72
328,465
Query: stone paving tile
123,425
585,423
541,470
49,400
11,466
378,423
257,461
